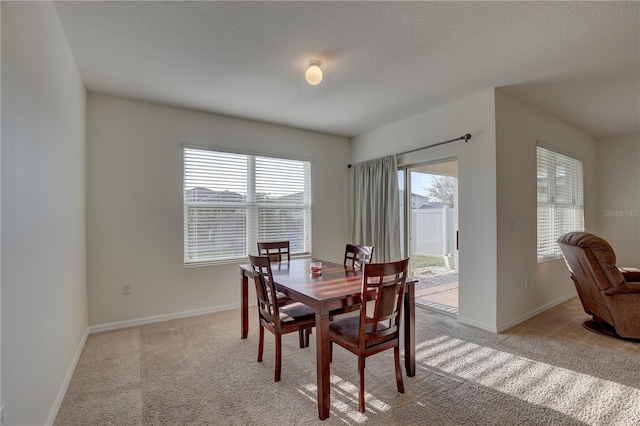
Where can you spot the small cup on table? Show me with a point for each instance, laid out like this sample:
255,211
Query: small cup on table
315,268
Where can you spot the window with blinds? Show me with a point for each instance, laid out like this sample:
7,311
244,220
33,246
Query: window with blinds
560,200
232,201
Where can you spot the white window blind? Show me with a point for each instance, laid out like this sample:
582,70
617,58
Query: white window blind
232,201
560,199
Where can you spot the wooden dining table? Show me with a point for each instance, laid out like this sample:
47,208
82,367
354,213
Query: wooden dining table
336,287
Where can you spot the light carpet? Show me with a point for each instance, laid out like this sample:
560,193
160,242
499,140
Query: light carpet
547,370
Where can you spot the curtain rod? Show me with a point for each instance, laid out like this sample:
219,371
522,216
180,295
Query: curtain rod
465,137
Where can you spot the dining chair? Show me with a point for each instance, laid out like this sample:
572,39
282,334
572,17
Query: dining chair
377,328
276,250
273,316
355,256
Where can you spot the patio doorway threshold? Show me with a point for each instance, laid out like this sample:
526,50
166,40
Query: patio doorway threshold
438,293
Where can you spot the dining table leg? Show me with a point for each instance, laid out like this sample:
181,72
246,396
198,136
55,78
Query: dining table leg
323,365
410,329
244,303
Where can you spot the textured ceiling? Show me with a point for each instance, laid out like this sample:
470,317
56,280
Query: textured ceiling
382,61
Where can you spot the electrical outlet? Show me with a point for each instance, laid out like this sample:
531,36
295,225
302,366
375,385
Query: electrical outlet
527,281
126,288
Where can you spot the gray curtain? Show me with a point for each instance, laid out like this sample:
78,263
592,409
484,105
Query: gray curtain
375,207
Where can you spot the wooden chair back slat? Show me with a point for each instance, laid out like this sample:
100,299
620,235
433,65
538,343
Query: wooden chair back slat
277,251
355,256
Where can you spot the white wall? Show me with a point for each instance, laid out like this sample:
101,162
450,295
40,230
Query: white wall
476,187
135,204
518,126
44,301
497,184
619,196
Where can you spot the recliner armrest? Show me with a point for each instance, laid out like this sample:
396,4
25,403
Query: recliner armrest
626,288
630,274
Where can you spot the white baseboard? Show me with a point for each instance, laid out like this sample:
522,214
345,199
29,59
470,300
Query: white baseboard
65,384
535,312
502,327
158,318
477,324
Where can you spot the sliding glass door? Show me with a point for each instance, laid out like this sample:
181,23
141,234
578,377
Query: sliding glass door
429,224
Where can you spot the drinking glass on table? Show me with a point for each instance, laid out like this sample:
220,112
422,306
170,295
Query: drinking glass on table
315,268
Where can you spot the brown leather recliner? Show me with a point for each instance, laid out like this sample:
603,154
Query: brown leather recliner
608,293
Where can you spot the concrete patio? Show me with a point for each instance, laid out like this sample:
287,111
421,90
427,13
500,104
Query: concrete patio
438,292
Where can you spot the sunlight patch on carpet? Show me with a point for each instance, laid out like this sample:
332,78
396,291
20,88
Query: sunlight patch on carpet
537,382
344,399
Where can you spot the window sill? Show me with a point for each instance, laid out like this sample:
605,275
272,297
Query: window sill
236,262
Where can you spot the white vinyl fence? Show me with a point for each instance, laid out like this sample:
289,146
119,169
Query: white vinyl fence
433,231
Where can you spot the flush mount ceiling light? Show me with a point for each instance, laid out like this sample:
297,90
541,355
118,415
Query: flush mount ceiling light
314,73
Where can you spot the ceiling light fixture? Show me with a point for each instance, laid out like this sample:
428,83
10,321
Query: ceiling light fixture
314,73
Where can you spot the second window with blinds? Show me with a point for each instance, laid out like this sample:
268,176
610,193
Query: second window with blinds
560,199
233,200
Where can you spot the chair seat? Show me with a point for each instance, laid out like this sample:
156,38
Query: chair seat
296,312
348,330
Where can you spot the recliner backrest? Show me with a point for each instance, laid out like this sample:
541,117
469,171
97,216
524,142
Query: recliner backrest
591,261
591,258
